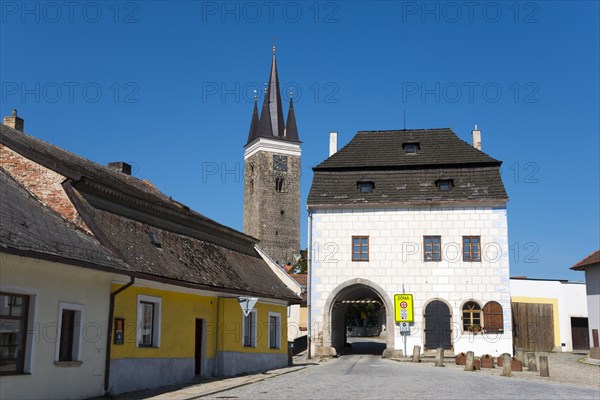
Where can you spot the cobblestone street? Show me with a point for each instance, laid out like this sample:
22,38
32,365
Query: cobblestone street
361,375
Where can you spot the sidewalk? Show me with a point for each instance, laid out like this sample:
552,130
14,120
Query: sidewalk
207,386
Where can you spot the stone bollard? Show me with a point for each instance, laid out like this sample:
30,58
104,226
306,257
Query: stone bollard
506,365
544,371
521,355
439,357
416,354
469,363
531,364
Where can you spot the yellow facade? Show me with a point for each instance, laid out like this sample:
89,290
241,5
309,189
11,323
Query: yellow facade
179,312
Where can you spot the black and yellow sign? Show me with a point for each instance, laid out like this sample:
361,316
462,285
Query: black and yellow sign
403,307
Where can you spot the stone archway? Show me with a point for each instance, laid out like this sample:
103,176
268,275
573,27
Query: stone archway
334,327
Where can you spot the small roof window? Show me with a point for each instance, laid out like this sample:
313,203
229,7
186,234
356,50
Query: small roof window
411,148
365,186
444,184
154,239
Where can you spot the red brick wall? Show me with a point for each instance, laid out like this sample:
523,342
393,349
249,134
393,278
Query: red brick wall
42,182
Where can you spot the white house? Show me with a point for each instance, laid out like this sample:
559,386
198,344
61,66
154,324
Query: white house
591,266
54,302
564,328
419,212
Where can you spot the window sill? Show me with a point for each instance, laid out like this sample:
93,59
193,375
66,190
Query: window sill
15,374
68,364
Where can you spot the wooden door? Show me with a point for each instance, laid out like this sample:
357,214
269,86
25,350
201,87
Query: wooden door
580,333
437,326
198,348
533,326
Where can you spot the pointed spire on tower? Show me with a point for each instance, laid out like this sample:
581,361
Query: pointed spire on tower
254,122
291,130
271,123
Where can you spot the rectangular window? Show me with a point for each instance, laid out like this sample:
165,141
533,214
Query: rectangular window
471,248
148,332
274,331
68,343
147,311
432,248
360,248
249,329
13,332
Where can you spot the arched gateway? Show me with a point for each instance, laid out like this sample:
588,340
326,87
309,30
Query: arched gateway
334,322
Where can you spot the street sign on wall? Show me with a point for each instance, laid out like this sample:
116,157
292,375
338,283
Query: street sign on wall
403,307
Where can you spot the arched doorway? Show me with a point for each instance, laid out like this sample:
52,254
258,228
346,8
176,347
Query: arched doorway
337,327
438,331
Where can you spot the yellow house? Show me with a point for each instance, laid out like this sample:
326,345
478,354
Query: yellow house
174,306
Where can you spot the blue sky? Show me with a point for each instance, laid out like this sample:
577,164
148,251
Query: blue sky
168,87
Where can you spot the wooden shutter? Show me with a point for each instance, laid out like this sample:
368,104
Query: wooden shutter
492,317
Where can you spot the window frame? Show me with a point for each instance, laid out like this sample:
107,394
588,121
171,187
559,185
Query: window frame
156,320
412,145
22,362
77,332
433,252
277,344
470,238
253,328
471,319
361,246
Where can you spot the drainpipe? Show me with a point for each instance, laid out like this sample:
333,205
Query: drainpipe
216,369
111,313
309,286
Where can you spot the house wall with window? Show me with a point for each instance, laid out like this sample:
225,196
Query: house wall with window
59,361
160,333
396,261
161,351
247,348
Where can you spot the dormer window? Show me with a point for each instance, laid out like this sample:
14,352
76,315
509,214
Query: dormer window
411,148
444,184
365,187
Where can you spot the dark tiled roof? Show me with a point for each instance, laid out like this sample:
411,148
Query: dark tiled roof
401,178
271,124
592,259
405,186
30,228
183,258
372,149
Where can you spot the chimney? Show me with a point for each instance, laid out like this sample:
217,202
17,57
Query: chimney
14,122
333,148
476,135
120,166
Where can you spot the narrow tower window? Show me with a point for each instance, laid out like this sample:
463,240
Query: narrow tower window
279,184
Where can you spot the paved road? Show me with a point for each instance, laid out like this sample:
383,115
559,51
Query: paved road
364,375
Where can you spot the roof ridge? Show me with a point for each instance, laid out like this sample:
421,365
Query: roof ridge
406,130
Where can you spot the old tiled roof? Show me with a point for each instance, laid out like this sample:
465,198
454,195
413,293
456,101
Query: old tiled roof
592,259
300,278
371,149
121,210
27,227
75,167
179,257
399,178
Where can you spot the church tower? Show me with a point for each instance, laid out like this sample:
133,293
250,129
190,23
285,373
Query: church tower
272,176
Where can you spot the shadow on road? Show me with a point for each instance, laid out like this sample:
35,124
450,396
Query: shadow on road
365,346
